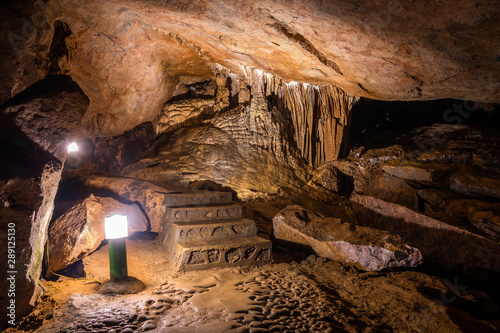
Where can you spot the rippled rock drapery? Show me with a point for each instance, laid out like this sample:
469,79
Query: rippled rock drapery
248,135
317,115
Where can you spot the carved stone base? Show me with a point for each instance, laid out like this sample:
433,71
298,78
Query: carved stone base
204,229
198,198
204,213
222,253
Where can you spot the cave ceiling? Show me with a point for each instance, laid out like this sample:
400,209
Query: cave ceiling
129,57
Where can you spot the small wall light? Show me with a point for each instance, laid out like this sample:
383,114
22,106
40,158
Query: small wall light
72,147
116,232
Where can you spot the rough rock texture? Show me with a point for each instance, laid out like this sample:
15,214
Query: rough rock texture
80,230
28,183
50,113
374,250
112,154
255,144
483,215
149,197
184,113
445,246
474,183
132,62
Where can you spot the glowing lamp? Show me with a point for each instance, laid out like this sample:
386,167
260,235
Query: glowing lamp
73,147
116,231
116,226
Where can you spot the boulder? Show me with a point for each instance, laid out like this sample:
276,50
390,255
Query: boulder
388,188
331,178
475,183
80,231
49,113
332,238
150,197
483,215
425,173
446,247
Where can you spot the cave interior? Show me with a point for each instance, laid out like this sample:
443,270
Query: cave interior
304,166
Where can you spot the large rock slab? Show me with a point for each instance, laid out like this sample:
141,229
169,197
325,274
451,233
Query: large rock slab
29,178
446,247
372,249
387,187
476,183
425,173
483,215
80,231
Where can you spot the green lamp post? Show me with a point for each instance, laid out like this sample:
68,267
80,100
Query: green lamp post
116,230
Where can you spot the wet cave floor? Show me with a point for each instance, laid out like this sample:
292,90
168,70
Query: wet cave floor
298,292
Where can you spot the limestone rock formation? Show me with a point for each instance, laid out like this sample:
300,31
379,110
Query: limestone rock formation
443,245
150,197
49,113
184,113
113,154
132,62
374,250
80,230
473,182
28,185
483,215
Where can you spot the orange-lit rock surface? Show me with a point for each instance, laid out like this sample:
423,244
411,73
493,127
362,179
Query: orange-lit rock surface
130,56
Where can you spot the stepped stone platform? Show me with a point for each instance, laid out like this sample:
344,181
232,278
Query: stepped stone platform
205,229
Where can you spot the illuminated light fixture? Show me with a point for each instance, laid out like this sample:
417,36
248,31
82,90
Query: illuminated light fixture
116,226
73,147
116,231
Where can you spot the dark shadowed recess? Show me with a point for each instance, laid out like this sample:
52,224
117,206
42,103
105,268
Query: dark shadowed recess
49,87
375,123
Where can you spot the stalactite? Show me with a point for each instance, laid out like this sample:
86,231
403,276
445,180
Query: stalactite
319,114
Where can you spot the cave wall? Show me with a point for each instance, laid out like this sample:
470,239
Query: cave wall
34,130
255,134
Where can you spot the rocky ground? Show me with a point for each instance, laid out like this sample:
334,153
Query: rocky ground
296,293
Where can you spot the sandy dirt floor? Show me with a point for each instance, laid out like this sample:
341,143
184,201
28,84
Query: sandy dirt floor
296,293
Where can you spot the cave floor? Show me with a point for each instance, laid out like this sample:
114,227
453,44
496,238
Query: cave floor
296,293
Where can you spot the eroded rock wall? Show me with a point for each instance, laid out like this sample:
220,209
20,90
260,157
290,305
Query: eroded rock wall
130,63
